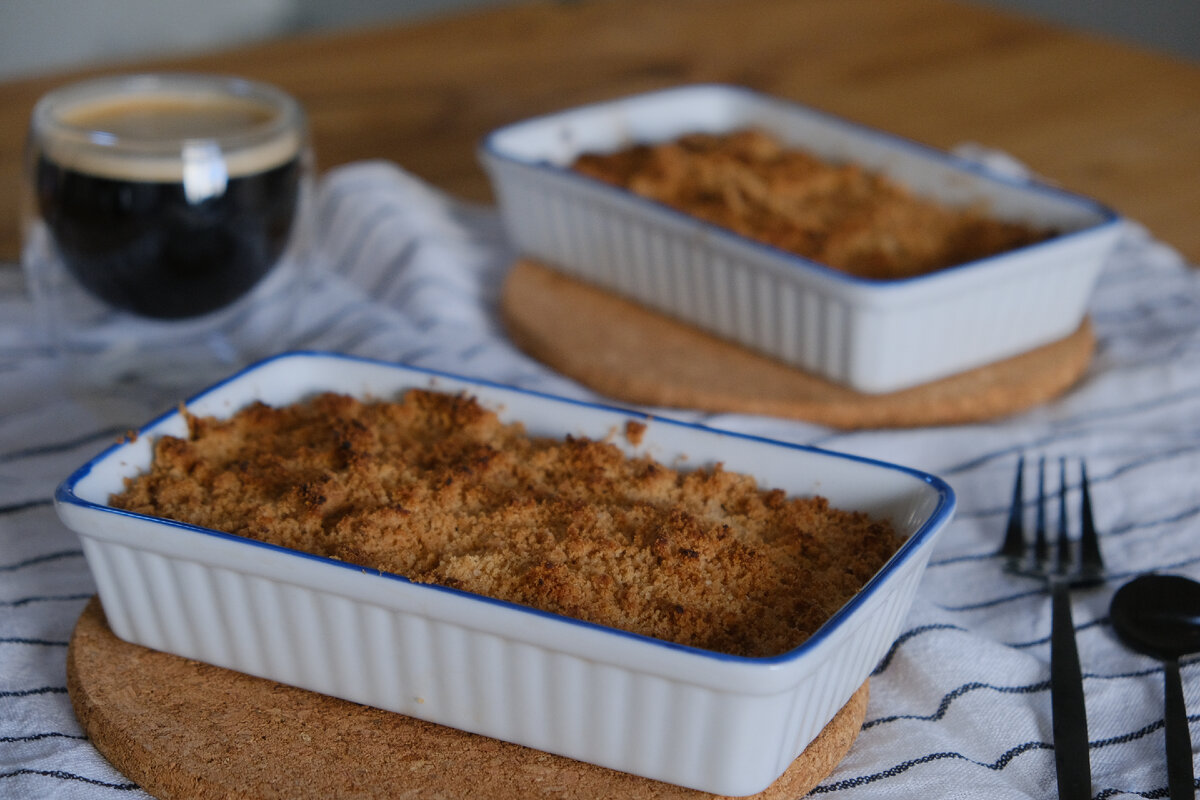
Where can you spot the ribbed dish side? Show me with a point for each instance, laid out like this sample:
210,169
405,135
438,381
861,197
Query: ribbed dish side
674,273
401,662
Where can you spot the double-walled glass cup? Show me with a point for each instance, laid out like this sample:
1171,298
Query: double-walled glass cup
167,224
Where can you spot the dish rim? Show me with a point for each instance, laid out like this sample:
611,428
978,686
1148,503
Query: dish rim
937,519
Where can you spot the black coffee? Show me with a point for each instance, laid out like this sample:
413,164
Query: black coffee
159,239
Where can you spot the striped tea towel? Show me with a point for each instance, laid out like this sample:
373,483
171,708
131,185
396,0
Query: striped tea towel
960,705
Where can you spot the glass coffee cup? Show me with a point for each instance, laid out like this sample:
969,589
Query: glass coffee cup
167,225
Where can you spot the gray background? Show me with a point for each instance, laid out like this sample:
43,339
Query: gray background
41,36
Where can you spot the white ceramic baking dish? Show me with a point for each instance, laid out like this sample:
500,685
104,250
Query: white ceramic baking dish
708,721
873,336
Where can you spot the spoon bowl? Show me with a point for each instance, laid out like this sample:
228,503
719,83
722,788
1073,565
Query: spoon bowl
1159,616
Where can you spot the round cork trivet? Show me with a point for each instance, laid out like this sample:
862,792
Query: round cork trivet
634,355
183,729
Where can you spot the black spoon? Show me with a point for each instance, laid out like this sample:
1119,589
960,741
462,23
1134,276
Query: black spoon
1159,615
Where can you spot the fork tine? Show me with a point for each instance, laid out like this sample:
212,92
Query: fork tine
1063,558
1040,547
1091,562
1014,536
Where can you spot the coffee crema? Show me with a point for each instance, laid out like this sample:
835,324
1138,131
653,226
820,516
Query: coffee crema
170,233
169,117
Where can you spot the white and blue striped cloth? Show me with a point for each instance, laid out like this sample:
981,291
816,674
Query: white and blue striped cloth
960,706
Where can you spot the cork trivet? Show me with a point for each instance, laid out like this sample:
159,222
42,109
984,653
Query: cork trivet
187,730
634,355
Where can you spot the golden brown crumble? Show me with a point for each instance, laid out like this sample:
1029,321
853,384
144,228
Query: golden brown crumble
840,215
436,488
634,432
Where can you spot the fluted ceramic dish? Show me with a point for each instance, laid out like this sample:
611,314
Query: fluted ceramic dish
691,717
873,336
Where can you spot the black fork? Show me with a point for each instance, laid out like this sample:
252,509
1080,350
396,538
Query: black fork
1071,564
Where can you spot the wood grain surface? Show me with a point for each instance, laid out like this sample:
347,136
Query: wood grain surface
1099,117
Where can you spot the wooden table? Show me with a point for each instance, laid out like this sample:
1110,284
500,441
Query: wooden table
1098,117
